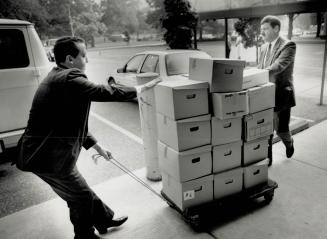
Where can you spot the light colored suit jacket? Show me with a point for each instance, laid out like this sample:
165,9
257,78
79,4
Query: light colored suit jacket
281,65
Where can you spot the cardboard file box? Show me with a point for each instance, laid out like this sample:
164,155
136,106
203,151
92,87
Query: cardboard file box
223,75
254,151
184,134
256,174
261,97
258,125
228,183
186,165
182,98
225,131
227,156
190,193
230,105
253,77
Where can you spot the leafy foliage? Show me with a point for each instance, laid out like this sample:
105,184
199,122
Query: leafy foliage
249,29
121,16
30,10
85,18
179,23
156,14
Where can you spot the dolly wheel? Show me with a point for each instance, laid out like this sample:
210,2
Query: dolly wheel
269,196
196,226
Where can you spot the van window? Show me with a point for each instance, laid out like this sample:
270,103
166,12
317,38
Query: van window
13,51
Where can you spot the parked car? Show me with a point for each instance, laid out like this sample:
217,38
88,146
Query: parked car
116,37
49,44
166,63
23,64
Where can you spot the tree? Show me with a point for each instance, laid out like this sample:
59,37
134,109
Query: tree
87,26
291,18
143,26
319,21
157,14
179,23
130,21
214,27
112,14
32,11
121,16
249,30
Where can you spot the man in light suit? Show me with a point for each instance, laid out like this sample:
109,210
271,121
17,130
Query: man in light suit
277,55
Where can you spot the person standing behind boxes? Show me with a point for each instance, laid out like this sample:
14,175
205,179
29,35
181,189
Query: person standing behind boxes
277,55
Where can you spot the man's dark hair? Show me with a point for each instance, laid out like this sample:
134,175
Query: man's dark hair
272,20
66,46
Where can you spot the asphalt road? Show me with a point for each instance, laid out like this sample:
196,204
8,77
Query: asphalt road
117,125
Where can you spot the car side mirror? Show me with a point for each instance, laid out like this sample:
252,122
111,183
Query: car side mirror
121,70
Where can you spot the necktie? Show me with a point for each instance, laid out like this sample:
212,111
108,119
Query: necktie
267,56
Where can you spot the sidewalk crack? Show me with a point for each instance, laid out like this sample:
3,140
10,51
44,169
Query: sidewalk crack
311,165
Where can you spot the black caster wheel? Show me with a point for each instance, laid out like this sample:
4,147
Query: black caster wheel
196,226
269,196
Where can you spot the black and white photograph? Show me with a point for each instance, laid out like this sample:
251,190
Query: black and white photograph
163,119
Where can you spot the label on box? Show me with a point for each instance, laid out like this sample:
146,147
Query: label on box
259,124
188,195
260,130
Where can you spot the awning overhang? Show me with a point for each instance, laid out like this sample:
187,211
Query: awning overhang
260,11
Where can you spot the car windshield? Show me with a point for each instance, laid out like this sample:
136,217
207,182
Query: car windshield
178,63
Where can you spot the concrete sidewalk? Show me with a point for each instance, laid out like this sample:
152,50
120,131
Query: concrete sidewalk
298,210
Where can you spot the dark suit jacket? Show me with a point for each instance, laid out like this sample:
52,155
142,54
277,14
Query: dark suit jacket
281,65
58,122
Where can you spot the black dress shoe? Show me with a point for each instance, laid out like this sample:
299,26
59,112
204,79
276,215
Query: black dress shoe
113,223
290,150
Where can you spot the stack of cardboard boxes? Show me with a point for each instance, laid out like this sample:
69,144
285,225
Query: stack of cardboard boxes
207,153
184,145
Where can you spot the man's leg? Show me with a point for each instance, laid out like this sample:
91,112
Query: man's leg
283,130
86,209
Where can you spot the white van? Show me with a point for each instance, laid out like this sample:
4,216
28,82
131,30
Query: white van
23,64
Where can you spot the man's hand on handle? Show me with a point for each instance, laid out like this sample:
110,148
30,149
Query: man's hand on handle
102,152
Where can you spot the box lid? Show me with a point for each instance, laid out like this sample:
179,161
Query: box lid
225,61
198,150
262,162
228,94
199,180
229,173
269,84
252,71
268,112
183,84
229,62
195,119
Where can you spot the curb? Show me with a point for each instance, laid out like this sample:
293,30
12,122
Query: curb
126,46
296,125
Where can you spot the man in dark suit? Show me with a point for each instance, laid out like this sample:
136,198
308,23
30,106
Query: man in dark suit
57,129
277,55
